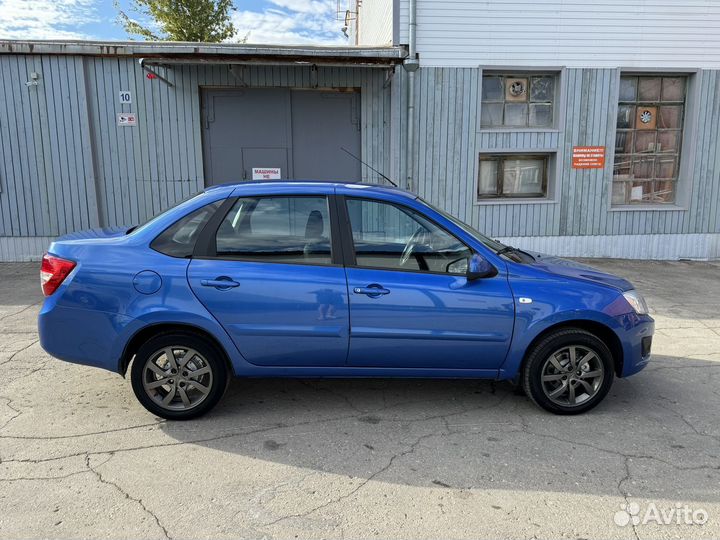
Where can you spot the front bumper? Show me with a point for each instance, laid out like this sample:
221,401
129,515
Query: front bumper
636,338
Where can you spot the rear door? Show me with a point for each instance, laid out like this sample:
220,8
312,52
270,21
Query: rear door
411,305
272,277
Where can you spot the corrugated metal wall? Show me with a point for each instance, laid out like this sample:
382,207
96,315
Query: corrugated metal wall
60,145
573,33
449,140
59,139
374,22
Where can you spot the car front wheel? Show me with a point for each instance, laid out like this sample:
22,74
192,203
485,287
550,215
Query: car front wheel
568,372
178,376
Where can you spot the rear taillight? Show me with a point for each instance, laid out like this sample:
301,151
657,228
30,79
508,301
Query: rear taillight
53,271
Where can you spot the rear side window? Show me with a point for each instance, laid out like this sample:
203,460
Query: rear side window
292,230
179,239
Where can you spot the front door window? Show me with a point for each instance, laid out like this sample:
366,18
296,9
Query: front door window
387,236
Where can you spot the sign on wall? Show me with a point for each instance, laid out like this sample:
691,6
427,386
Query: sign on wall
588,157
266,173
125,97
126,119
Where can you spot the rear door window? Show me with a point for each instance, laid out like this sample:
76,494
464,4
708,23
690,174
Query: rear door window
293,230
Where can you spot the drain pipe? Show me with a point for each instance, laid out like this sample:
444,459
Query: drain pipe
411,65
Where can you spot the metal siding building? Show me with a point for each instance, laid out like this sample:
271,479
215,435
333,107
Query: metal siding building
66,165
589,45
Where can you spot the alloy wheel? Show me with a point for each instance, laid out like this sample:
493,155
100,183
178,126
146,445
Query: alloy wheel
572,375
177,378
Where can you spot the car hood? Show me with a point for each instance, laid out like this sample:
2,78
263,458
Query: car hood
94,234
576,270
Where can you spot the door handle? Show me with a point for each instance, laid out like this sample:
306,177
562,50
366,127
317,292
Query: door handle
373,291
222,283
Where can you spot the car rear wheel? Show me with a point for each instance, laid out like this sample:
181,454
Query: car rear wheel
178,376
568,372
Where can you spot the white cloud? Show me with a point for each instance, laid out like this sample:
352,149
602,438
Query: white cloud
45,19
292,22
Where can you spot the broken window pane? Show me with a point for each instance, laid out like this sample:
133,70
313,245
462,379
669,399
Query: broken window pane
542,89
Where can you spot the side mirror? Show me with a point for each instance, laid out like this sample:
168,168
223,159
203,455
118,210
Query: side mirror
479,268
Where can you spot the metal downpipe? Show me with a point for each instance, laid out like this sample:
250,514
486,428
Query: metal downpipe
411,65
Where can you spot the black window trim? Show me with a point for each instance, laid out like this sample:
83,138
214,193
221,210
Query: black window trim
153,246
206,249
346,232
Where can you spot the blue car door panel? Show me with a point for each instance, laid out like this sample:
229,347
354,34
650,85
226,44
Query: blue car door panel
272,277
428,320
277,314
411,304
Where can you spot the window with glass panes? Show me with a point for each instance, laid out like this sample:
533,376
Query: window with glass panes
512,176
648,140
522,101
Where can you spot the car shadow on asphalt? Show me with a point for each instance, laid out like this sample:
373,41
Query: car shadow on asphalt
465,434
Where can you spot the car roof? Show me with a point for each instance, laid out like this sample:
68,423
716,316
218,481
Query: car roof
314,186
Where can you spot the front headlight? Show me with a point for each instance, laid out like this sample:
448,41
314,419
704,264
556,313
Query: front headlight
637,302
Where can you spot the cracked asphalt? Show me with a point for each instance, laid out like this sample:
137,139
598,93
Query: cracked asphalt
79,458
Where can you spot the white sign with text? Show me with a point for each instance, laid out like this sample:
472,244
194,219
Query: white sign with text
266,173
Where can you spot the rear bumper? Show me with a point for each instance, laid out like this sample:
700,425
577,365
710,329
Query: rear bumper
636,337
81,336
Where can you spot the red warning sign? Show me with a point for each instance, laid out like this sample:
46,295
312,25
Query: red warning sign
588,157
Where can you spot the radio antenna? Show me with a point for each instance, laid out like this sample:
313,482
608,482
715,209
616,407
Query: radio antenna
368,166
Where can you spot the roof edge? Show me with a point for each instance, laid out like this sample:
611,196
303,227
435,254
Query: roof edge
176,49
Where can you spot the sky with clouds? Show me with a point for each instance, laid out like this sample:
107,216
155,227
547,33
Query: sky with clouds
307,22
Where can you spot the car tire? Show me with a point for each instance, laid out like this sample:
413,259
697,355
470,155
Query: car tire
178,388
568,372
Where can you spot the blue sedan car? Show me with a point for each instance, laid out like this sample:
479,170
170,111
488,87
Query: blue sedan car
317,279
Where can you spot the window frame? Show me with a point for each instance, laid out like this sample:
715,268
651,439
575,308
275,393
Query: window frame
498,195
206,248
684,183
349,242
517,73
633,154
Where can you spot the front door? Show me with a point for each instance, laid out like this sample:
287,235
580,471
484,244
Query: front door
273,284
410,303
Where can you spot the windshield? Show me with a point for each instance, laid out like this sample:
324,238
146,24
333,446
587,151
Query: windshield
507,252
489,242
